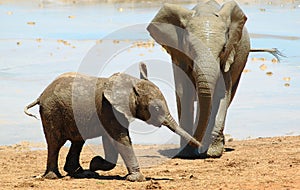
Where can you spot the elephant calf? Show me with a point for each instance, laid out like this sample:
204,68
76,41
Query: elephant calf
77,107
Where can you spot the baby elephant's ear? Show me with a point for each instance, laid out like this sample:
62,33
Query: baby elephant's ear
119,92
143,71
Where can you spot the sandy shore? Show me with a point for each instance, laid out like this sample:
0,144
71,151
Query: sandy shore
263,163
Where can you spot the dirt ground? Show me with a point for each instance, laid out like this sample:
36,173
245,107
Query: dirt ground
263,163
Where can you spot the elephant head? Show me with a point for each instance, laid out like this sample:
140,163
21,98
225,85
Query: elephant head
202,43
140,98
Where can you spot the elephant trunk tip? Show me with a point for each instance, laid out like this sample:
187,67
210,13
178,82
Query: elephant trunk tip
173,126
193,142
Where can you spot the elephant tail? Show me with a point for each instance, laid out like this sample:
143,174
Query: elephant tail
37,101
274,51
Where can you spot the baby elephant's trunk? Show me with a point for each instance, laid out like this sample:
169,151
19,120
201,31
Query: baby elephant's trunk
37,101
173,126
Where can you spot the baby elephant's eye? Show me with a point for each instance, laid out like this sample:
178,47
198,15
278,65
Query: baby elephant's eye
154,109
157,108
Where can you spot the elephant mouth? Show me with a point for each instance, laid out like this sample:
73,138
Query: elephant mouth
155,121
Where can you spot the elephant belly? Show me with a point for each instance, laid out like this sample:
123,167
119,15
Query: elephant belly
85,128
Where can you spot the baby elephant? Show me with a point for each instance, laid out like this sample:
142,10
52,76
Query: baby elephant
77,107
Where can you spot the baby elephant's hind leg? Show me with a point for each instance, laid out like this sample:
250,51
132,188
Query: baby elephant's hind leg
52,159
54,143
72,165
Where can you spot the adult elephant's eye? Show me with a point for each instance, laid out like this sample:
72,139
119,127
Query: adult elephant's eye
223,49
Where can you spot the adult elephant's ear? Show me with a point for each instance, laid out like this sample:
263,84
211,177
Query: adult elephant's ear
119,92
168,24
235,20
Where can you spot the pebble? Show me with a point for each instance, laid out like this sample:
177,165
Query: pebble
31,23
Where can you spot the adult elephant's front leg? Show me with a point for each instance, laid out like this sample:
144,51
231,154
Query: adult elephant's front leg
185,97
216,148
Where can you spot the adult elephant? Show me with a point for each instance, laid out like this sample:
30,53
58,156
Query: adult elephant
211,45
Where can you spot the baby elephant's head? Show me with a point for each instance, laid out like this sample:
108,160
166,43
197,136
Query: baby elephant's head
140,98
151,107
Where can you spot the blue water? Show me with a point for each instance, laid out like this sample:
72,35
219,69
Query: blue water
262,107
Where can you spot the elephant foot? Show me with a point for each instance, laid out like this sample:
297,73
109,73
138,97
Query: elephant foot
73,170
52,175
135,176
79,172
98,163
85,174
216,149
189,152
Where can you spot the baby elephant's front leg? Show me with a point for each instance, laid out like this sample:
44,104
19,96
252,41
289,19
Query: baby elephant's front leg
124,147
111,157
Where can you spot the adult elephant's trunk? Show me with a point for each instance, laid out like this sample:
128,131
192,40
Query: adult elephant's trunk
206,72
205,79
173,126
187,51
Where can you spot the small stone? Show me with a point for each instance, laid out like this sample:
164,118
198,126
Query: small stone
263,67
98,41
153,185
269,73
274,60
31,23
246,71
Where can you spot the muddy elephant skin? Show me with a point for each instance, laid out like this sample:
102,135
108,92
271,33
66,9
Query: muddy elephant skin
77,107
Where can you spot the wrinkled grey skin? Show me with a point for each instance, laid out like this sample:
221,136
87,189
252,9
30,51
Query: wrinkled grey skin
211,45
77,107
